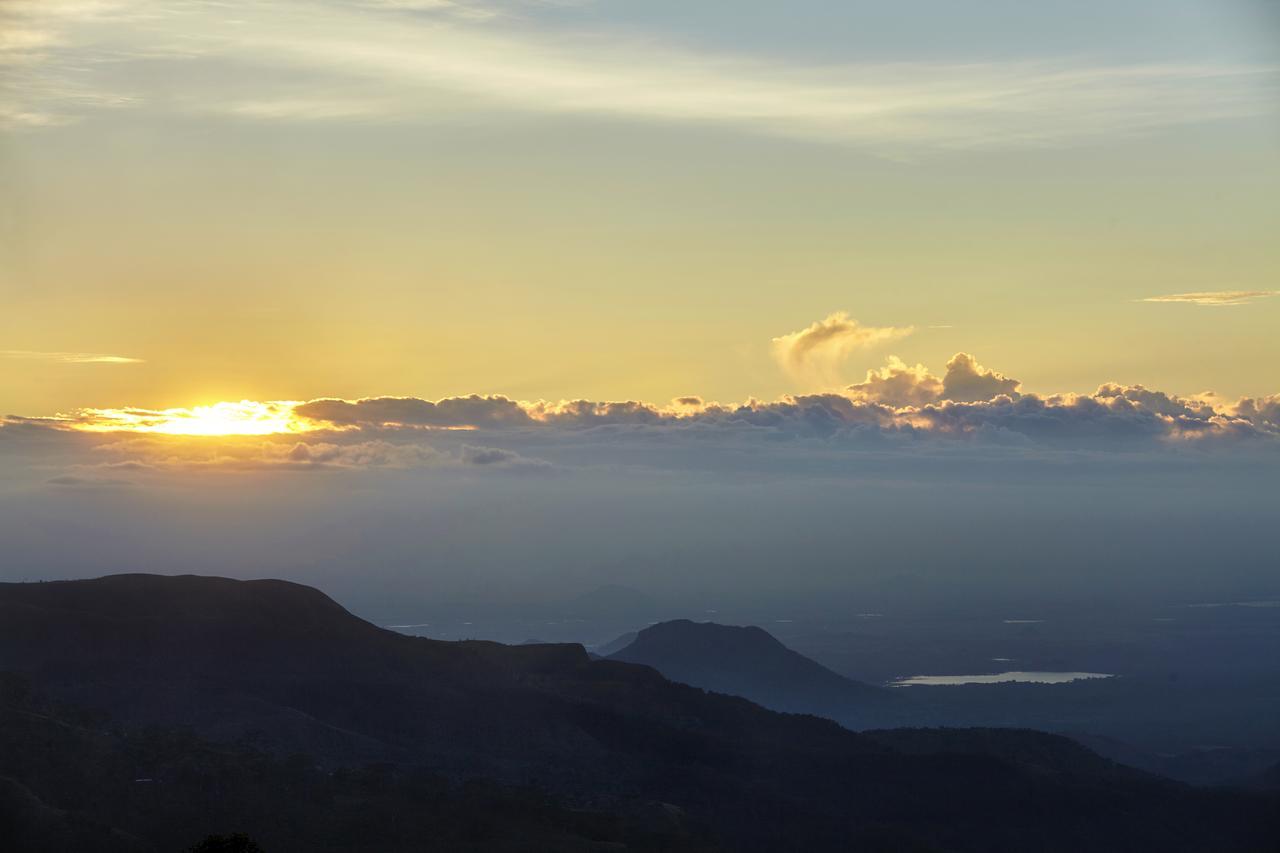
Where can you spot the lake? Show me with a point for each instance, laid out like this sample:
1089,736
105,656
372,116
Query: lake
999,678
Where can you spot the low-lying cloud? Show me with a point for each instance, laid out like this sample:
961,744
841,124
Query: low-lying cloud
112,460
897,405
900,411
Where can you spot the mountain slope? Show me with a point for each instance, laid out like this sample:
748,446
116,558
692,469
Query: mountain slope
750,662
285,668
171,789
615,645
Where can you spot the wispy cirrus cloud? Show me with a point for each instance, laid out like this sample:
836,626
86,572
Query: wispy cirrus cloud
69,357
412,60
1214,297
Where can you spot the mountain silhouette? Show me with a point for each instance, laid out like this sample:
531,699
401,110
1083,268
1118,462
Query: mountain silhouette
144,706
751,662
615,645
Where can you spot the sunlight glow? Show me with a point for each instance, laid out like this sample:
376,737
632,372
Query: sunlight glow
246,417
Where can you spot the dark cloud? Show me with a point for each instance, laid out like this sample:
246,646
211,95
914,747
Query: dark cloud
148,456
1082,421
1144,399
363,454
1259,411
498,458
473,411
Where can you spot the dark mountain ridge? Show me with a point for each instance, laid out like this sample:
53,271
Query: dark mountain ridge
750,662
285,668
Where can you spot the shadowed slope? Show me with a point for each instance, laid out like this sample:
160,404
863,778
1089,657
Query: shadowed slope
288,667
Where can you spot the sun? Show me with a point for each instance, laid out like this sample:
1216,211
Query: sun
247,417
243,418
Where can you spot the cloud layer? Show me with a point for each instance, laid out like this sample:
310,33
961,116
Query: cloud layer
902,410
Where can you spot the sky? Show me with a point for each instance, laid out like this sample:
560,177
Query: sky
830,272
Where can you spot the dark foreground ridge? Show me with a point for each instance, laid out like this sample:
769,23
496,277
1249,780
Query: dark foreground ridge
145,712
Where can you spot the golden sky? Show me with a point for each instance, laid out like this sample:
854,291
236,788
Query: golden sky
290,200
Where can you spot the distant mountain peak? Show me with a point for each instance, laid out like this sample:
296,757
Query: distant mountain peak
748,661
743,635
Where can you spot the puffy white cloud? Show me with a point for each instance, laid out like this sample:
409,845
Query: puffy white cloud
1260,411
898,384
967,381
815,354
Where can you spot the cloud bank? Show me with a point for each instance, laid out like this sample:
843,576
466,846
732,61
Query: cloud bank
902,410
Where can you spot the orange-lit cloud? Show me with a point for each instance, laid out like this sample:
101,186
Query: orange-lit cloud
816,353
246,417
1214,297
898,384
966,381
